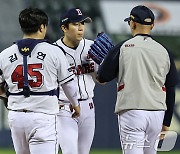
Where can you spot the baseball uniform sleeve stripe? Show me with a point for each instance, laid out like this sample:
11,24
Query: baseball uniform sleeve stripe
67,79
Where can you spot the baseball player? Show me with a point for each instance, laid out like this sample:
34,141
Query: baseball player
32,69
76,134
147,77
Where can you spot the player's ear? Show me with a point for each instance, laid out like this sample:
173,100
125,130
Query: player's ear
63,27
133,25
152,26
41,28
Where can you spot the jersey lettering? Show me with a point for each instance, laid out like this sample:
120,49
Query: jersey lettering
88,58
91,106
33,71
83,69
41,55
13,58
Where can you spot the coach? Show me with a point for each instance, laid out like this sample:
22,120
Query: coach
147,77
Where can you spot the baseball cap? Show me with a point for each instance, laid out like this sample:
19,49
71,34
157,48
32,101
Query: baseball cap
141,14
74,15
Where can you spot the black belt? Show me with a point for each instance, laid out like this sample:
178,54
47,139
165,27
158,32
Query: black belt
22,110
82,99
50,93
78,99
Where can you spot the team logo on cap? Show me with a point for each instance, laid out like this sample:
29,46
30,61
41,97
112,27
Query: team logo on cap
25,49
79,12
64,19
147,20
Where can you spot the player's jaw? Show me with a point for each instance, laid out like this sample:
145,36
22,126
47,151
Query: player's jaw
76,37
79,36
77,29
72,39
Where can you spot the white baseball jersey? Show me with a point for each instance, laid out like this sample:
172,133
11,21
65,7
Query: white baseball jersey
46,64
83,67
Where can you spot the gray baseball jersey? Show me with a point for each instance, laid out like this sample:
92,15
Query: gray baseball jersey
132,62
143,66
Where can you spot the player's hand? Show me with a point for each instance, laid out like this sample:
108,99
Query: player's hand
76,110
164,129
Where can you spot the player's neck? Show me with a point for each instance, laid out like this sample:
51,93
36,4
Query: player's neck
33,36
141,30
70,43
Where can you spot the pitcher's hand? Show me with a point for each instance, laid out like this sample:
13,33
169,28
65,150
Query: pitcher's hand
76,110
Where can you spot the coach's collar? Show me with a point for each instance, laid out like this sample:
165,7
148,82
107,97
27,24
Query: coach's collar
142,35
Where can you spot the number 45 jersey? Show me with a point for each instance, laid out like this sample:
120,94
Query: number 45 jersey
46,67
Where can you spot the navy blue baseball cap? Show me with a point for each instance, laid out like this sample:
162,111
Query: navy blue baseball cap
141,14
74,15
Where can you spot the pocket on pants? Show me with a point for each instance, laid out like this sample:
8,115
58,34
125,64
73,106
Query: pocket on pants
45,128
11,118
10,121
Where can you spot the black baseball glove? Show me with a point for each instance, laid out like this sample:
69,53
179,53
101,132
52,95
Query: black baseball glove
101,46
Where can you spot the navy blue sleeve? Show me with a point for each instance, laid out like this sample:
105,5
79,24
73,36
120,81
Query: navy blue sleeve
172,79
170,102
108,70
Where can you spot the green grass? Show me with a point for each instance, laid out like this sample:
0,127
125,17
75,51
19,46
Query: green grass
6,151
107,151
93,151
100,151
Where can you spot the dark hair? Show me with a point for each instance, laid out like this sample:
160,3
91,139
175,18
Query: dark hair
31,19
66,24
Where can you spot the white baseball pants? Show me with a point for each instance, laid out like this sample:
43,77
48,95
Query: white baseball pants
33,133
76,135
139,130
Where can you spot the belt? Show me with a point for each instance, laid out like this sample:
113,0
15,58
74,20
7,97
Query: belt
64,107
67,101
50,93
82,99
22,110
78,100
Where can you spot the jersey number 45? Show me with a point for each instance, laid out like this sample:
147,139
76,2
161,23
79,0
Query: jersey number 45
35,77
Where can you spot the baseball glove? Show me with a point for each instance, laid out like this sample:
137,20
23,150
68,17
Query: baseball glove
101,46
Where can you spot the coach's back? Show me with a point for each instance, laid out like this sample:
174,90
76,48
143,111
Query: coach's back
143,66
